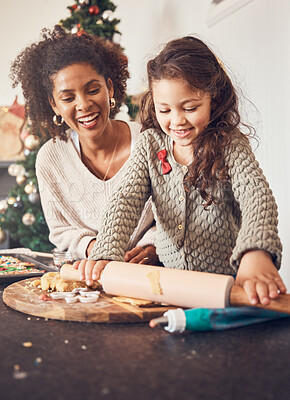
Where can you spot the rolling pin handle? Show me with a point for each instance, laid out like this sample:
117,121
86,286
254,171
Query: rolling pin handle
68,273
238,297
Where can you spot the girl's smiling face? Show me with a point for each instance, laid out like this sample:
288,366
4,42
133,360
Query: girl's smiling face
82,97
181,112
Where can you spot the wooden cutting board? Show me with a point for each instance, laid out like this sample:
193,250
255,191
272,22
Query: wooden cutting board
25,298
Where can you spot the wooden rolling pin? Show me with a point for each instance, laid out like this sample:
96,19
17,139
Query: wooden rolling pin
188,289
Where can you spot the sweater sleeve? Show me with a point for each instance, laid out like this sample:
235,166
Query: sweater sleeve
257,204
145,232
124,208
67,232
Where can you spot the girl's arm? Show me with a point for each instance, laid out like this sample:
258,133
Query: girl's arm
122,214
257,253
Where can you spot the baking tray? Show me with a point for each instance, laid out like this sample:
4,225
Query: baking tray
41,262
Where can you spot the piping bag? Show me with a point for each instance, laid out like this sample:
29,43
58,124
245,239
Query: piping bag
181,288
211,319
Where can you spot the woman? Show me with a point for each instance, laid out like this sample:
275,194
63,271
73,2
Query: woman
72,86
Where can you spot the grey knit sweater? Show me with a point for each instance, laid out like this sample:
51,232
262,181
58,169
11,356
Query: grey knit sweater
188,236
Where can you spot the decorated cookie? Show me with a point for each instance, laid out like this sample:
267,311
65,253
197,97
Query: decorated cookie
13,266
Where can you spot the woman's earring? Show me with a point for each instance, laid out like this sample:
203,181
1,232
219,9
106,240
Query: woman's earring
112,103
58,120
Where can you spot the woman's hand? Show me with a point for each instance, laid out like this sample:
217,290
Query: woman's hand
259,277
142,255
90,247
90,270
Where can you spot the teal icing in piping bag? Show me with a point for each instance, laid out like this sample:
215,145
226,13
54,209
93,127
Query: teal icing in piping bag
209,319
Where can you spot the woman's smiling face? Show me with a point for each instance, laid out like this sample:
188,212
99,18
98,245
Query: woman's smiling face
82,97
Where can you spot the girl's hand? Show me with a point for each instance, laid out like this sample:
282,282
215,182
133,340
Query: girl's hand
90,270
259,277
142,255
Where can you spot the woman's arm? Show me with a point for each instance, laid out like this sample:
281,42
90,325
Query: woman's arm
125,207
65,233
67,229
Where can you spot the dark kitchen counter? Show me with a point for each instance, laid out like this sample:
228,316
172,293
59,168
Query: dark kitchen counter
88,361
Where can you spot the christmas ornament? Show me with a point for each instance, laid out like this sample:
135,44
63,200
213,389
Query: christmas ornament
11,200
3,206
108,14
74,29
34,197
20,179
28,219
2,236
21,170
31,142
26,152
16,169
94,10
99,22
23,134
84,2
18,203
81,32
117,38
123,114
12,169
29,188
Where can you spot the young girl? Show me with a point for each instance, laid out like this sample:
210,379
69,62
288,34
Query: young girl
213,206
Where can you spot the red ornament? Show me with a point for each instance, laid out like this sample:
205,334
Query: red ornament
166,167
94,10
81,32
73,7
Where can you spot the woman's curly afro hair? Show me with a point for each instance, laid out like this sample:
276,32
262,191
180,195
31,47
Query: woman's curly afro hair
35,66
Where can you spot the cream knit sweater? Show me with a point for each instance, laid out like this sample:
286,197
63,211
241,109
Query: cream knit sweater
188,236
74,200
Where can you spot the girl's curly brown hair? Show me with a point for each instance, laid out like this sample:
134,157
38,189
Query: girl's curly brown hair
34,67
190,60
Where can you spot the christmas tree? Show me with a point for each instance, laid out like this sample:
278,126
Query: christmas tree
96,17
21,213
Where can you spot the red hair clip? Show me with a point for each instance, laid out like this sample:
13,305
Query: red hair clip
166,167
